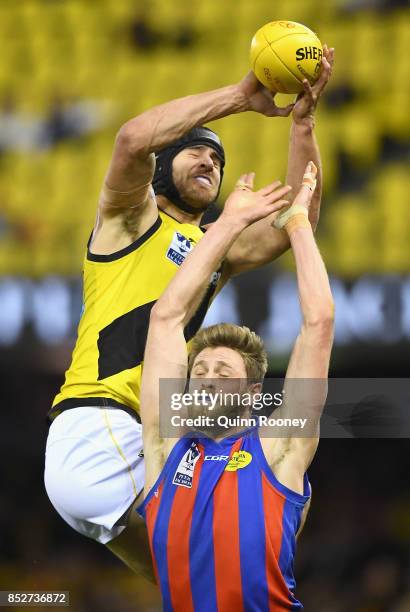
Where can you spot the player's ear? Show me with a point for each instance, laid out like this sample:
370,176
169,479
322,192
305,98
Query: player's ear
255,388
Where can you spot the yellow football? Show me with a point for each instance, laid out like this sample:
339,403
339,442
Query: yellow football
283,53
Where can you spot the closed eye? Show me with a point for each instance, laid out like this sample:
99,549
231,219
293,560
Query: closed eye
215,159
217,162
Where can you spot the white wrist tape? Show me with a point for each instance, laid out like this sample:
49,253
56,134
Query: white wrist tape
284,216
309,179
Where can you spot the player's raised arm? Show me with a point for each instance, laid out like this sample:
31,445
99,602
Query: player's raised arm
306,378
165,352
132,166
303,146
311,354
263,242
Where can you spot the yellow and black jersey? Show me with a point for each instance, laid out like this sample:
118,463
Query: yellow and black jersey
119,291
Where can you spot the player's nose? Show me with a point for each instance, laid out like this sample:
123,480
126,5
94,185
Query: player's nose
208,386
207,162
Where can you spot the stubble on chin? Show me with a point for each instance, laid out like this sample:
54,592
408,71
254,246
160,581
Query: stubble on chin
197,198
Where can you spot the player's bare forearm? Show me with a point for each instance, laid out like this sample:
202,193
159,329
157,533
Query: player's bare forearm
183,295
167,122
163,124
165,351
262,243
311,354
243,208
306,377
307,372
313,283
303,148
257,246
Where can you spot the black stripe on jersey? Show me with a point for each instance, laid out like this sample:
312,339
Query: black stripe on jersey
81,402
121,344
127,250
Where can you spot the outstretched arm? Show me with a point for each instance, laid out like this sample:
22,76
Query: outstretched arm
133,162
126,204
303,146
262,243
290,457
165,352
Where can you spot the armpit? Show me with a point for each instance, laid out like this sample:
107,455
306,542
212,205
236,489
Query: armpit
111,198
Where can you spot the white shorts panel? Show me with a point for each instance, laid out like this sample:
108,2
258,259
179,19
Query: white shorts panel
93,468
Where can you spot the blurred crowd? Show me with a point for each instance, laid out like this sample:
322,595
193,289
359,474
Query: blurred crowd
59,114
65,119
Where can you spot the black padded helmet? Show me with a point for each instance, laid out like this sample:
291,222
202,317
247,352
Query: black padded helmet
163,183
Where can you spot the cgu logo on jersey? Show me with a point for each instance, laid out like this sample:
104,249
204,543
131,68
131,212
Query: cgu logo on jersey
240,459
179,248
216,458
184,474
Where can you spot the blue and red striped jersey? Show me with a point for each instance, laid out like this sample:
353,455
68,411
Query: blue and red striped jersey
222,528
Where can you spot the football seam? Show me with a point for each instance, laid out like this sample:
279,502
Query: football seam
292,34
283,64
269,45
280,59
260,52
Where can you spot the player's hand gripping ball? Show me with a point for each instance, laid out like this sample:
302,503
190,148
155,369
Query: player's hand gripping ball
283,53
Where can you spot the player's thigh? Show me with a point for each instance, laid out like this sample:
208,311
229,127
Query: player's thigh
94,469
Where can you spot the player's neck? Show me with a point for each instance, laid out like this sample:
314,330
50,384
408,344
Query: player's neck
176,213
228,433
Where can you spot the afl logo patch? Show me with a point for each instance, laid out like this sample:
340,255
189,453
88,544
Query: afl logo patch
184,474
179,248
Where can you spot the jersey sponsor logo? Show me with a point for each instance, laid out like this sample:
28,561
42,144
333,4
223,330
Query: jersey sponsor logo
240,459
216,458
184,474
179,248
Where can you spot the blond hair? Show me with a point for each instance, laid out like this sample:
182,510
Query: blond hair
241,339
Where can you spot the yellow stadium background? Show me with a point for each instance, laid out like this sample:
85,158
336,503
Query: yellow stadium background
82,50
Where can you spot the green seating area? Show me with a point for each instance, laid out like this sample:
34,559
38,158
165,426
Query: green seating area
83,50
